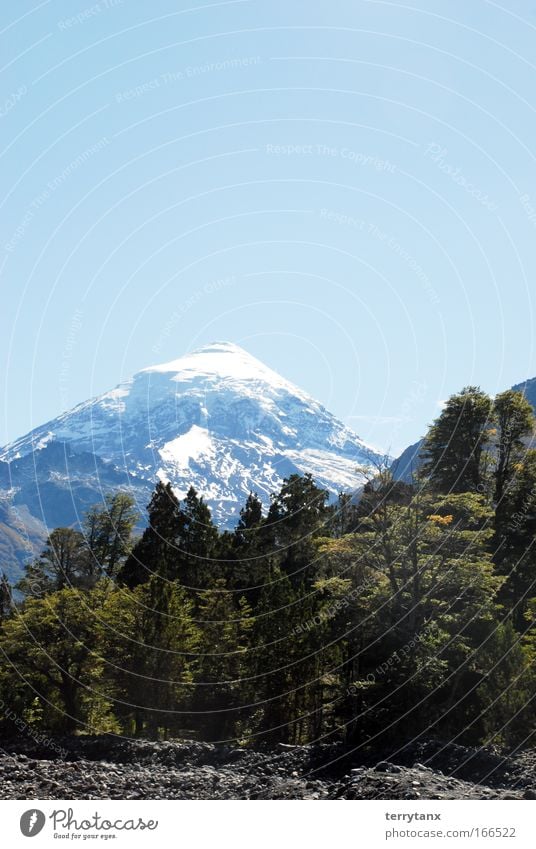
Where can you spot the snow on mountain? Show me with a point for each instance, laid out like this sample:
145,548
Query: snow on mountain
216,418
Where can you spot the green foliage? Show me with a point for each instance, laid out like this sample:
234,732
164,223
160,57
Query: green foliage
197,543
6,598
75,559
297,514
156,552
49,648
249,523
108,533
515,540
454,446
149,641
222,663
515,422
410,613
64,562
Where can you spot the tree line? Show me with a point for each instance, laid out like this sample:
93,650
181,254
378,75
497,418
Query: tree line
409,610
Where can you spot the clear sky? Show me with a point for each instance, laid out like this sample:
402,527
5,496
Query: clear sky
344,188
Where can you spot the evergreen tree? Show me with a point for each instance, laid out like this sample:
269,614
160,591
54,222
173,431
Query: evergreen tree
378,494
158,551
6,599
273,644
410,615
515,551
454,446
434,605
221,695
50,648
515,423
344,515
197,542
63,563
507,691
249,522
297,515
108,532
150,641
247,568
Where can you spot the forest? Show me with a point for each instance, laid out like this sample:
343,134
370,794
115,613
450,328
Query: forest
407,611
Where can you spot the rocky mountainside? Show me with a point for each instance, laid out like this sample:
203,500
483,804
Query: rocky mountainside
217,419
528,387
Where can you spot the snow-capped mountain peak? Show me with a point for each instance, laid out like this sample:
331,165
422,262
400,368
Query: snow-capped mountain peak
217,419
221,361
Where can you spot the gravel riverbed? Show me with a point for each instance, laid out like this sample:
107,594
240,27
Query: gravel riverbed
106,767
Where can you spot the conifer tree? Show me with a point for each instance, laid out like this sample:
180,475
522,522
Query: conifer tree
404,622
247,571
454,447
515,549
249,522
297,515
515,422
63,563
197,541
344,515
50,651
108,532
274,643
6,598
221,695
158,550
149,641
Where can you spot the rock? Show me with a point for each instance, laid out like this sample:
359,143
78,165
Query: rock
237,755
385,766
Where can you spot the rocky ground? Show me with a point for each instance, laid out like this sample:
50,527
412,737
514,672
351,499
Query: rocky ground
113,768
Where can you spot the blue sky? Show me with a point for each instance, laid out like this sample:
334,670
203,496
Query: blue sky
345,189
